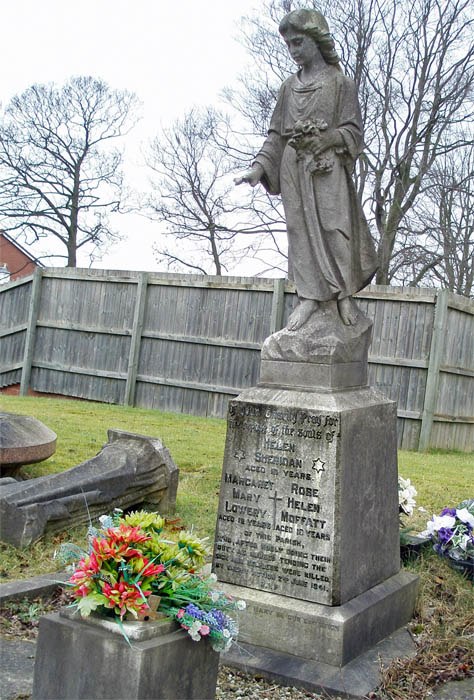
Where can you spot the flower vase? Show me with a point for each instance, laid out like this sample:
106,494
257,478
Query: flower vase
411,546
149,660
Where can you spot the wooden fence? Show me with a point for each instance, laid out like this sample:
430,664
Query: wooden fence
188,343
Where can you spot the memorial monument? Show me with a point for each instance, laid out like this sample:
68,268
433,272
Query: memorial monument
307,530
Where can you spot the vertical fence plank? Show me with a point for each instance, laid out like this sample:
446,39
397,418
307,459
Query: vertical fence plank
278,305
35,299
432,380
135,340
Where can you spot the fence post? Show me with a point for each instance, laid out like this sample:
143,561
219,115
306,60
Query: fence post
30,338
135,340
278,305
432,380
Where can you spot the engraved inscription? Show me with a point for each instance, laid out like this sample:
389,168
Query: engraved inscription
275,528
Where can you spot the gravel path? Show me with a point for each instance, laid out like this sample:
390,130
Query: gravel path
232,685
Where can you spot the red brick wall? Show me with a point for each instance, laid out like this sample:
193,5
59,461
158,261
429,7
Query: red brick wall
18,264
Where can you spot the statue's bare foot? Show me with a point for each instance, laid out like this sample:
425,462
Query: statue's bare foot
347,311
301,314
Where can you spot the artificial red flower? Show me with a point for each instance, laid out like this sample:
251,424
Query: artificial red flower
82,591
124,597
150,569
84,574
113,550
116,543
127,534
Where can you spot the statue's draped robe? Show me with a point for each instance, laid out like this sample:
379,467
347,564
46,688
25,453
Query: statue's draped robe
331,253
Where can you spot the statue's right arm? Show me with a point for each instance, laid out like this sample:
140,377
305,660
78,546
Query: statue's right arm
266,167
252,176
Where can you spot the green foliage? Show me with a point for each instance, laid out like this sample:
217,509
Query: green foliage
90,603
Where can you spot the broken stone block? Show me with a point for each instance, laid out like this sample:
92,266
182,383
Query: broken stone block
129,470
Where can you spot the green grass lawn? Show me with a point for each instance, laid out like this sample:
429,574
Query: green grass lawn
197,447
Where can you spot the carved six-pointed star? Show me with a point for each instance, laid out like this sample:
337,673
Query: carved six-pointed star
318,465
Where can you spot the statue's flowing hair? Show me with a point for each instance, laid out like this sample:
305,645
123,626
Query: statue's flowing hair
314,24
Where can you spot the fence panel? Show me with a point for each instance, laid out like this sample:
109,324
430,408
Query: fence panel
399,352
83,335
188,343
453,417
201,342
14,312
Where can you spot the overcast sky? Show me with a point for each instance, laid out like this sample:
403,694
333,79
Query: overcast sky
172,54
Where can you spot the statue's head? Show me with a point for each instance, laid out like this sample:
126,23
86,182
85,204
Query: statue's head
313,24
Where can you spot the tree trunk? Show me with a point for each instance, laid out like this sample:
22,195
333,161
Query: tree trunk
72,238
215,252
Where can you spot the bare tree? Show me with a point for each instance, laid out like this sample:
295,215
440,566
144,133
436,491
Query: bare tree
207,228
413,64
437,246
60,175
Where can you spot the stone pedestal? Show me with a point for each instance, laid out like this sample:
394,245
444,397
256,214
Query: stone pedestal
309,499
308,530
78,659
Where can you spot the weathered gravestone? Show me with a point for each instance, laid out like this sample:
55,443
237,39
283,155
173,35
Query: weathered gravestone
129,470
307,530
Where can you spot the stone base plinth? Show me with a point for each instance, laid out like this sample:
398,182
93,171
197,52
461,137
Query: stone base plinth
305,375
90,658
354,680
329,635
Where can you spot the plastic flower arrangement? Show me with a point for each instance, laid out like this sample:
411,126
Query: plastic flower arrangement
406,496
452,532
128,560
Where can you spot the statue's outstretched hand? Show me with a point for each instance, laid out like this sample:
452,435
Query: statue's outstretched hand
252,176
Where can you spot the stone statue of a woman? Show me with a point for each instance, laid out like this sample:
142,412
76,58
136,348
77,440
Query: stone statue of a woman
314,138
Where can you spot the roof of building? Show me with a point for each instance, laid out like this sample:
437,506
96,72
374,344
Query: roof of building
21,248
